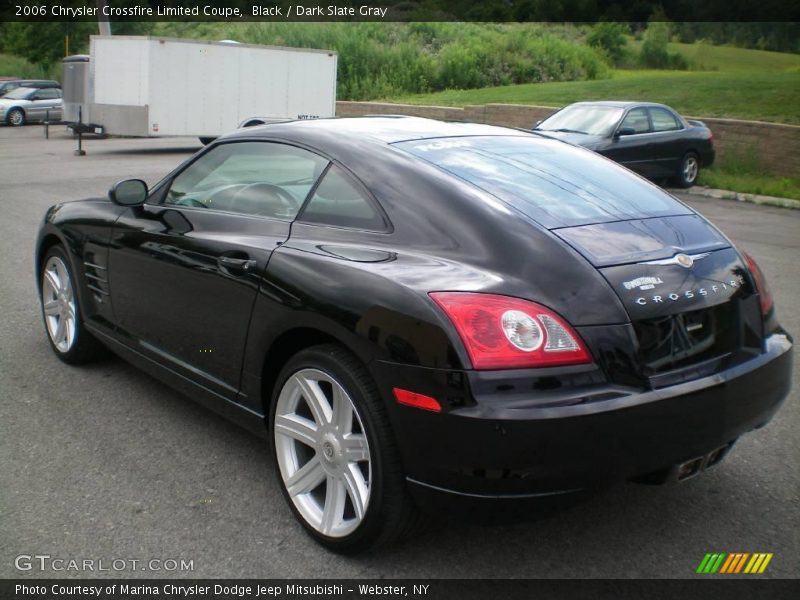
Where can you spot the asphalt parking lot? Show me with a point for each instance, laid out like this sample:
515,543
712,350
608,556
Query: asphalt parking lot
104,462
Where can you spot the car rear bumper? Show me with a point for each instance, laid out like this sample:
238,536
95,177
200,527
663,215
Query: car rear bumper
707,157
494,450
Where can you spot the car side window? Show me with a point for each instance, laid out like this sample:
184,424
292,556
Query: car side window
340,202
264,179
637,120
663,120
47,94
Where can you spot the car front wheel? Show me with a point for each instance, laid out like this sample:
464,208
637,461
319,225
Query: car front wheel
689,170
68,337
336,460
16,117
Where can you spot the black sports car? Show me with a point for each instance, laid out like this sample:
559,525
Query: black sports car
651,139
414,311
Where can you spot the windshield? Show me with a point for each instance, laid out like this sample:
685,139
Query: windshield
553,183
582,118
19,93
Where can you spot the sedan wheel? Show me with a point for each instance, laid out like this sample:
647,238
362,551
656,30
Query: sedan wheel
68,337
689,169
16,117
336,460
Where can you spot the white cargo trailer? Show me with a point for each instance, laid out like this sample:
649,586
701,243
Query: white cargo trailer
151,86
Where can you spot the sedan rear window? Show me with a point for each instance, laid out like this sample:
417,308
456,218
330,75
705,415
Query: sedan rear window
556,184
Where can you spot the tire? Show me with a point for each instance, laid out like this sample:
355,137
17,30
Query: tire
368,504
16,117
688,171
61,313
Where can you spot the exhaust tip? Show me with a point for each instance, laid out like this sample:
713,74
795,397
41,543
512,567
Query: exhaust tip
690,468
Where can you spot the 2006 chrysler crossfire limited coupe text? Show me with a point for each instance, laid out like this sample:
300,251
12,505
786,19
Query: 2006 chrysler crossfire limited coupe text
416,312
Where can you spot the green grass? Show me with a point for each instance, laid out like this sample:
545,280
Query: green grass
751,183
706,57
725,82
759,95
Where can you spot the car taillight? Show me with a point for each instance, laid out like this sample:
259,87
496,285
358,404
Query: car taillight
501,332
765,294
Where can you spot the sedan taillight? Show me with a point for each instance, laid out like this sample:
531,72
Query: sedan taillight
501,332
765,294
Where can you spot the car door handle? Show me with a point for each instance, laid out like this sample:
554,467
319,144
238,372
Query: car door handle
236,264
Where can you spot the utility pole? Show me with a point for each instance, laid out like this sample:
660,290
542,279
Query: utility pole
103,23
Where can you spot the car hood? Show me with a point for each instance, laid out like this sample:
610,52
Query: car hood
6,102
579,139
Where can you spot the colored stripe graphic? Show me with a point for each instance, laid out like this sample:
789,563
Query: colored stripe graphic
726,566
711,562
766,562
734,563
740,564
703,563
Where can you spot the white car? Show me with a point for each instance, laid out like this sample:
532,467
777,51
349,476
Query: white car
28,105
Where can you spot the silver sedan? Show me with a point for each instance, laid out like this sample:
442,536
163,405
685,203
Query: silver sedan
28,105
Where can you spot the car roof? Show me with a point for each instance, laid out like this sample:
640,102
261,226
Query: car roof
385,129
31,81
618,103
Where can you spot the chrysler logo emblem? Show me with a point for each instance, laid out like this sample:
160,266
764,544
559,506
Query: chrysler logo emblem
685,260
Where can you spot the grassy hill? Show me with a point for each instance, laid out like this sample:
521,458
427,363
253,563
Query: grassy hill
725,82
734,82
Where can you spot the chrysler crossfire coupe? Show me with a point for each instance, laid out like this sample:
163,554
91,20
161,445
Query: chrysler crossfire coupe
417,313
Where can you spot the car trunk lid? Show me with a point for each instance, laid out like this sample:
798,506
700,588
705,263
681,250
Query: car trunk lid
687,292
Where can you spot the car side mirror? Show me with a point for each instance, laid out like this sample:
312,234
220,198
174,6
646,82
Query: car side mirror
130,192
625,131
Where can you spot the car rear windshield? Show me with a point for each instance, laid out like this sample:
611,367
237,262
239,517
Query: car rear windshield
556,184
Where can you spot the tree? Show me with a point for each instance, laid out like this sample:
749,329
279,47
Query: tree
610,37
44,43
654,53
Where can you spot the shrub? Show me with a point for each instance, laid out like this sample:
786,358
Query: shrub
379,60
610,37
654,53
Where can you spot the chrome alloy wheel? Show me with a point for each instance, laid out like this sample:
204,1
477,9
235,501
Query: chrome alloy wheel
322,452
58,304
16,118
690,168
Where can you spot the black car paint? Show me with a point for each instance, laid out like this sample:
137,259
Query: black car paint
655,155
151,287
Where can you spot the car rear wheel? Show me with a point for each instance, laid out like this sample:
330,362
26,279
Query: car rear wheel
335,456
688,171
16,117
68,337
